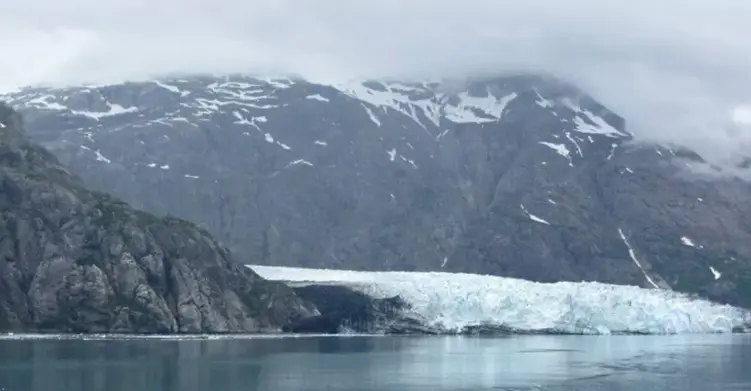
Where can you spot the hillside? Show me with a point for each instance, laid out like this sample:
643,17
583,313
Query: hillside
74,260
518,176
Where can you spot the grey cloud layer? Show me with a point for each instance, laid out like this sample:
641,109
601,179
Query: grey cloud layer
674,68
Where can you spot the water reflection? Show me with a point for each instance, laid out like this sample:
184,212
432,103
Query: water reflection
380,363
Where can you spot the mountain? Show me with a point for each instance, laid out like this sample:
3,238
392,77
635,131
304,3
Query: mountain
520,176
74,260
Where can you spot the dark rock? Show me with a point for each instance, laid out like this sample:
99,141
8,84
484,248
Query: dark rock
74,260
345,310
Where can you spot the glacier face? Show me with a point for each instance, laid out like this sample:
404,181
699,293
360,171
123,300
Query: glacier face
453,301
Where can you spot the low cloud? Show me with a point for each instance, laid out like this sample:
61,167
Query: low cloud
676,69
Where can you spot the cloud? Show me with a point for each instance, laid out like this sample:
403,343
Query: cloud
676,69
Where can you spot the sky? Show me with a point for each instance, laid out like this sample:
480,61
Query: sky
679,71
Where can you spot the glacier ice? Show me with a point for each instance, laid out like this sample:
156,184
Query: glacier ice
453,301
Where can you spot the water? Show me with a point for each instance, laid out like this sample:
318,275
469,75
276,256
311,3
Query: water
565,363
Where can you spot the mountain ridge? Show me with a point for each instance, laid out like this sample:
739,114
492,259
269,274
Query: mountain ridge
517,176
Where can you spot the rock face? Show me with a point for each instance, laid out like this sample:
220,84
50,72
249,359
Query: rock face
74,260
519,176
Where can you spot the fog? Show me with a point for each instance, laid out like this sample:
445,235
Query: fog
677,70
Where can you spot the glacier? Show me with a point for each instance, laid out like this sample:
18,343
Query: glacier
452,302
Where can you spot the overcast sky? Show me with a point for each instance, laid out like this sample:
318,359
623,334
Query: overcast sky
676,69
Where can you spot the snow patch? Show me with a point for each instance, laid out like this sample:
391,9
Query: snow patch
397,97
632,254
715,273
43,103
410,161
613,146
543,102
300,161
372,116
533,217
241,120
491,106
278,82
689,242
317,97
578,149
167,87
101,158
113,110
440,135
595,125
560,149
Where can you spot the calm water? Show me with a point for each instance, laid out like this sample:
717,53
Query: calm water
638,363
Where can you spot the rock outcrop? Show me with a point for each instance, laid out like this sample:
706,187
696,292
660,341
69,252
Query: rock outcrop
344,310
74,260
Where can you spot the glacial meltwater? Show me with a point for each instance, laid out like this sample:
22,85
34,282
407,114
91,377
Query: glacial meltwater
692,362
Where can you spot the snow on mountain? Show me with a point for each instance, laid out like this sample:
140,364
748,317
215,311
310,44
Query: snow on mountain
245,104
518,176
240,96
451,302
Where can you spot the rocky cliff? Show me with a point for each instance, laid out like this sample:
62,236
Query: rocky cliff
519,176
74,260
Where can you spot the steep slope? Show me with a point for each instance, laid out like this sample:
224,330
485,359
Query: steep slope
519,176
72,260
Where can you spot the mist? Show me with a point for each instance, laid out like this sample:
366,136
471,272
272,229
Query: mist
677,70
